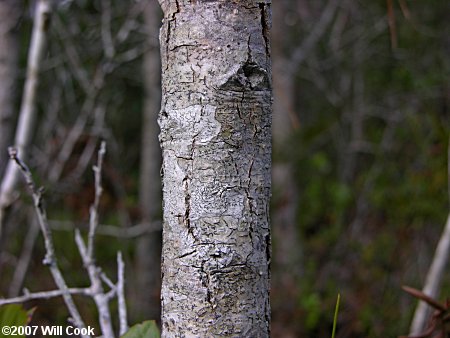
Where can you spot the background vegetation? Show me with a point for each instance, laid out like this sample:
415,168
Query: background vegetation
361,152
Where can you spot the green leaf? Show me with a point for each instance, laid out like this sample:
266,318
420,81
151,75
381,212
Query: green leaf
13,315
147,329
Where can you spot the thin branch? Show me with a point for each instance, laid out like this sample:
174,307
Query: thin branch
73,57
121,295
131,54
108,44
72,137
93,219
44,295
131,22
108,281
101,300
392,25
302,52
113,230
87,253
50,257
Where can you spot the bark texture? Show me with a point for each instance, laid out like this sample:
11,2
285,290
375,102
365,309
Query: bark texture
9,49
215,136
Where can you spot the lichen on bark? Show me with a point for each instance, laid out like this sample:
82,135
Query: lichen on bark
215,136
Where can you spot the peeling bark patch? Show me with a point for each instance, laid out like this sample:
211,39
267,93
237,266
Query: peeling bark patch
193,122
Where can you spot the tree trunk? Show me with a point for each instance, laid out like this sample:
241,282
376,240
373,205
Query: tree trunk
148,260
215,136
27,114
9,50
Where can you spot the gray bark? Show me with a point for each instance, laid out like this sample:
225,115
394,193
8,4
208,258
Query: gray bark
215,136
9,50
148,260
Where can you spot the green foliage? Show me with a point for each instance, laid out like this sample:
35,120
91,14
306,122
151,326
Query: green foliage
147,329
312,305
14,315
369,209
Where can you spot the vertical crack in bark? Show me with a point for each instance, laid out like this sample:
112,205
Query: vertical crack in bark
206,283
187,205
249,198
265,25
187,194
239,111
268,246
249,51
177,4
250,202
171,19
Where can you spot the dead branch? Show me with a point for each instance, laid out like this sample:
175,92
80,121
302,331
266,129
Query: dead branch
50,257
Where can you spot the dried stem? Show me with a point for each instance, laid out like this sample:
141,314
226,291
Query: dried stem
93,217
121,295
87,253
27,296
50,257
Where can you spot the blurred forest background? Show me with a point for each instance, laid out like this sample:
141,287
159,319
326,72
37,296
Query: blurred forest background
360,166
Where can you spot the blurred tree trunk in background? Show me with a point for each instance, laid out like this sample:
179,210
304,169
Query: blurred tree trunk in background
148,260
287,248
10,11
216,140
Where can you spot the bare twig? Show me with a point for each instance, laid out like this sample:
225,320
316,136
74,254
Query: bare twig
108,45
44,295
72,55
72,137
131,22
100,298
121,295
113,230
438,322
392,25
302,52
50,257
87,253
93,219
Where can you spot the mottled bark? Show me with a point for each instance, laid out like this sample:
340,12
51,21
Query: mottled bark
9,18
215,136
148,260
